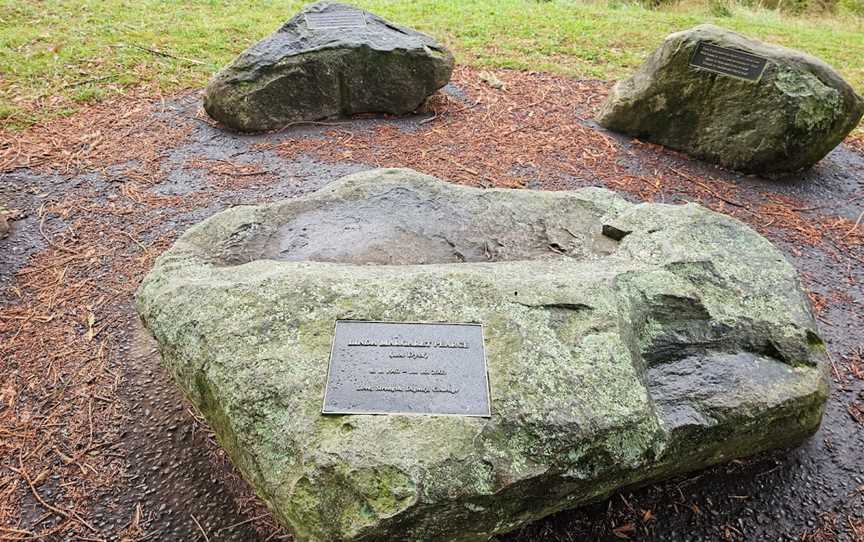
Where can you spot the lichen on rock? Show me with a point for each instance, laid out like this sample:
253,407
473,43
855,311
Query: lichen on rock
787,120
682,342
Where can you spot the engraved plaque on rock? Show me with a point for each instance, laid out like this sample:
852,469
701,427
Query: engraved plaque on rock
730,62
336,19
407,368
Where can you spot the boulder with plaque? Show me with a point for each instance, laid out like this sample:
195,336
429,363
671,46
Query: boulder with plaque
394,357
735,101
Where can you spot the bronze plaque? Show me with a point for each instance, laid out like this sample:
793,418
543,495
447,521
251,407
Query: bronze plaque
407,368
730,62
348,18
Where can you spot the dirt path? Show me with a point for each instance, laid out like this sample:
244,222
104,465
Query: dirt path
97,443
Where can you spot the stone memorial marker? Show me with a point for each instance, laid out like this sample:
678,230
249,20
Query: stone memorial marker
735,101
407,368
624,343
328,60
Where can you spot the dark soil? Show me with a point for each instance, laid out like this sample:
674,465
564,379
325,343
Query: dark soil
159,474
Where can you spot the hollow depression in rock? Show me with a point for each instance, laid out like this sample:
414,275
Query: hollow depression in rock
624,343
419,224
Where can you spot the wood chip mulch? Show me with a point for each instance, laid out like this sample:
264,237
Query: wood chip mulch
61,336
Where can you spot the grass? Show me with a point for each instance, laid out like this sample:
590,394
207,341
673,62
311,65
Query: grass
55,55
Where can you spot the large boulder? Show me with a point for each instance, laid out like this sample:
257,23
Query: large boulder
786,120
329,59
625,343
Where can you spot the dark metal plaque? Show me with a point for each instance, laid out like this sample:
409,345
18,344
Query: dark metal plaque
730,62
407,368
336,19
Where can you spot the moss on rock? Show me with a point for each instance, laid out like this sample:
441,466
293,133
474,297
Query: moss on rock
795,114
686,343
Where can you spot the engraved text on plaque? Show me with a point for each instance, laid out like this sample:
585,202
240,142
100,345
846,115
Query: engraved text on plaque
407,368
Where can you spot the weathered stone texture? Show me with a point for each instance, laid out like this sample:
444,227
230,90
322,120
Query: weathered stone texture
686,343
303,72
790,119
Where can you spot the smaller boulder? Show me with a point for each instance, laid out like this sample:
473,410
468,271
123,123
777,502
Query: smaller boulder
735,101
328,60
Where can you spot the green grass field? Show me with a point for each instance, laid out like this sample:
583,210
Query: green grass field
60,53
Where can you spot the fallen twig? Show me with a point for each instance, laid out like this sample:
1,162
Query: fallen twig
70,515
88,81
200,528
708,189
244,522
854,227
157,52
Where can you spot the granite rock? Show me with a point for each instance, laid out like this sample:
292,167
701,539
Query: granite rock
680,341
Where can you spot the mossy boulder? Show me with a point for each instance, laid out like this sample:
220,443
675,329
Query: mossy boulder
787,120
625,343
328,60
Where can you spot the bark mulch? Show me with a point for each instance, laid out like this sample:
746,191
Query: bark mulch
63,331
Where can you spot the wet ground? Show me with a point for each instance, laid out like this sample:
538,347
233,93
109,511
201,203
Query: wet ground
177,485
